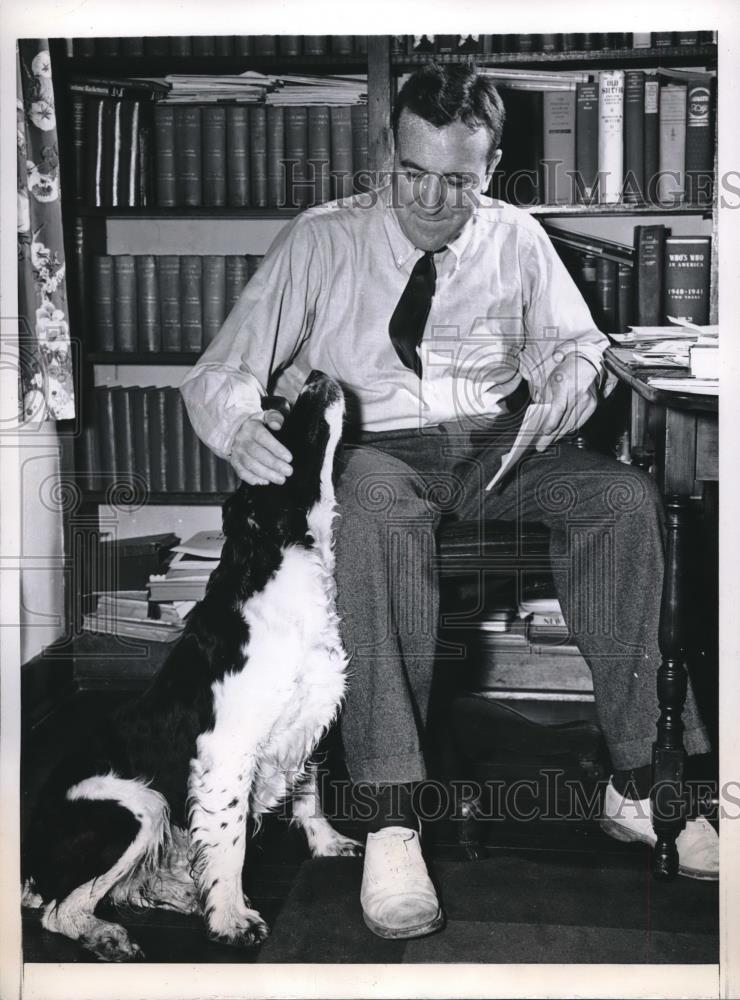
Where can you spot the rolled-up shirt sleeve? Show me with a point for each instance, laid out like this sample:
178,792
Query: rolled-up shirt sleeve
264,331
557,321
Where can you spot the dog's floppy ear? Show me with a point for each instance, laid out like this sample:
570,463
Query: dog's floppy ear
238,513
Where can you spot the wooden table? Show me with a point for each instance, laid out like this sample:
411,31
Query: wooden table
682,430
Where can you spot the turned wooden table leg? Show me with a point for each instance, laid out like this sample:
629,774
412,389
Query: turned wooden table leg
667,796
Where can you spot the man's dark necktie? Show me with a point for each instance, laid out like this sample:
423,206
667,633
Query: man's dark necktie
409,318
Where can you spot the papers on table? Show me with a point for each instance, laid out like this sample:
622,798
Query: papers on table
696,386
529,433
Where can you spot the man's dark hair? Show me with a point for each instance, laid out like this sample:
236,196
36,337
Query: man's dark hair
442,94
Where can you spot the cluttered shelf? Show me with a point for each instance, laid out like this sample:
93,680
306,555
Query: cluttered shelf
680,55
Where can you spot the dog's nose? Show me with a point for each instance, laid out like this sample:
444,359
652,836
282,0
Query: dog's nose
315,376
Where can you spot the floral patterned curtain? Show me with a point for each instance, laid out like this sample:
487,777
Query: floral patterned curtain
45,388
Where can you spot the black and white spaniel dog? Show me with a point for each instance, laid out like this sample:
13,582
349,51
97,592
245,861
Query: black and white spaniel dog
156,813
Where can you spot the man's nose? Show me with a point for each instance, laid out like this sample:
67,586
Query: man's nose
432,190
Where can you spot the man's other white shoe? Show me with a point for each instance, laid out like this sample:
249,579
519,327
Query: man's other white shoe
698,842
397,896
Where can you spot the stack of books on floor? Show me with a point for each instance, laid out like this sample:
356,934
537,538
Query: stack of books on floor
131,613
189,572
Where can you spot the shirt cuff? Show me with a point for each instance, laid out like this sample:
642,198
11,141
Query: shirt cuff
218,401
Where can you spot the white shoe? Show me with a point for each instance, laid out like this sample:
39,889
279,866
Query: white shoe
397,896
630,819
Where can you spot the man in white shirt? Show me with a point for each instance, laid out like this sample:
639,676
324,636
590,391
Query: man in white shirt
431,304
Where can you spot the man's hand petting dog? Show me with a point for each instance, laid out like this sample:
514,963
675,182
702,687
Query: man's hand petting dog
257,455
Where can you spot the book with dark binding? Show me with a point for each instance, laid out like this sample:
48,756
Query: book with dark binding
625,297
108,47
342,45
147,294
634,136
587,142
319,154
243,45
191,303
103,311
214,155
181,46
132,46
519,178
360,148
592,41
105,427
123,431
586,281
89,458
142,455
290,45
558,145
236,277
157,46
191,452
208,469
315,45
226,477
687,38
145,179
224,46
253,262
84,47
118,87
125,302
686,273
275,156
341,151
188,156
298,192
174,413
672,143
606,292
651,137
164,155
258,155
214,296
168,275
158,439
237,155
649,252
699,163
78,142
204,46
661,39
265,45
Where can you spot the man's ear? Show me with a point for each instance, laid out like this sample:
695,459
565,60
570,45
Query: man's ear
493,163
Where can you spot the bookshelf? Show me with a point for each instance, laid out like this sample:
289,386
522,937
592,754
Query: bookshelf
232,229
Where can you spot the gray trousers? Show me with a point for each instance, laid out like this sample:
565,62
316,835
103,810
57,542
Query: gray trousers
607,539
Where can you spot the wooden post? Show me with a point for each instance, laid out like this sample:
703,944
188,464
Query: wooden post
380,138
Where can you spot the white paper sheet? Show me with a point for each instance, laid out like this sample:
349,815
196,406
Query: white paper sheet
529,433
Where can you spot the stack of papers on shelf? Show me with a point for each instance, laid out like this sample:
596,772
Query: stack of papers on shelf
191,568
249,87
130,613
308,90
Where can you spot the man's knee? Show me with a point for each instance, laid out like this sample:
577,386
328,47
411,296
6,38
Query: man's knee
374,487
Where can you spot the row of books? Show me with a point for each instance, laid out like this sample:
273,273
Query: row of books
660,276
148,303
627,136
132,152
580,41
143,433
222,46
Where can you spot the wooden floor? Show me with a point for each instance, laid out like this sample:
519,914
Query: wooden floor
545,891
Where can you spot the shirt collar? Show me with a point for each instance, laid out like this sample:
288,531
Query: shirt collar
401,246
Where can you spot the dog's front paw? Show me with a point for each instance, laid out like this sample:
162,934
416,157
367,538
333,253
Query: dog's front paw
111,943
246,931
339,846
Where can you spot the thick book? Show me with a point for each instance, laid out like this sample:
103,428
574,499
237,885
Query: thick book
634,136
227,479
686,271
235,279
649,250
672,144
89,458
265,45
181,45
587,142
208,469
237,155
142,460
243,45
662,39
191,303
188,155
586,281
519,178
214,296
606,291
341,151
191,452
214,155
79,139
699,162
123,432
103,311
360,147
147,294
105,427
625,297
128,176
275,156
125,302
224,46
204,45
319,154
105,180
157,46
611,135
342,45
290,45
651,137
315,45
175,430
164,155
158,439
559,145
168,273
133,45
258,156
298,193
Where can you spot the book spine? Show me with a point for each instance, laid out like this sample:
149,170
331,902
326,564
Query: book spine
559,145
94,150
296,155
145,183
226,477
132,46
188,156
625,297
124,299
148,322
123,431
587,282
258,155
164,142
686,269
214,296
606,290
168,273
237,155
649,252
77,116
191,451
103,312
208,469
108,47
236,277
118,169
275,156
661,39
128,152
265,45
204,46
699,141
315,45
319,154
175,435
587,141
341,151
105,179
290,45
611,129
158,441
360,162
253,262
89,460
105,425
651,138
243,45
214,155
142,456
224,46
181,45
634,136
672,144
191,303
157,46
342,45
